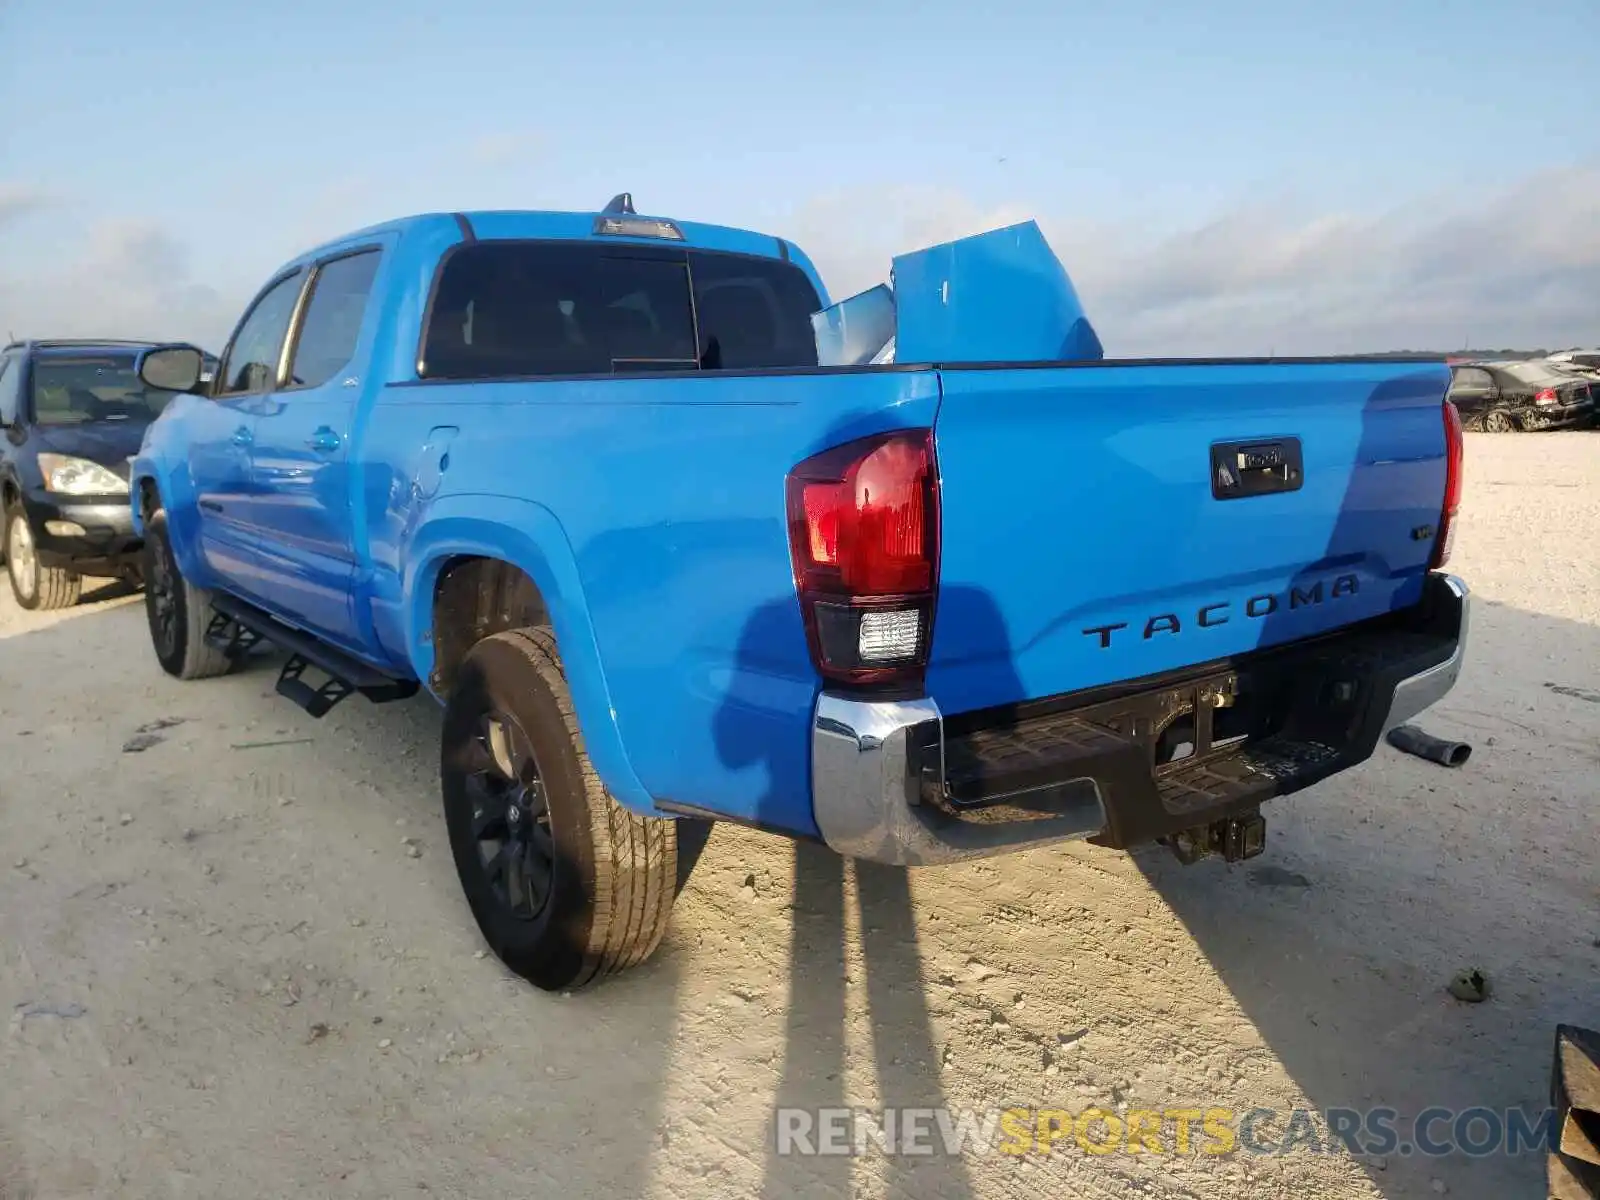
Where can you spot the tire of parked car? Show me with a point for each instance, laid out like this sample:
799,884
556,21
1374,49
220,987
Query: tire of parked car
566,885
36,586
178,612
1499,421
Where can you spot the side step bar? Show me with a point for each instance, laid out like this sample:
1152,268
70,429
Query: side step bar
237,626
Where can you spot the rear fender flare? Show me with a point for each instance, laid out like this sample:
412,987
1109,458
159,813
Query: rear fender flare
529,537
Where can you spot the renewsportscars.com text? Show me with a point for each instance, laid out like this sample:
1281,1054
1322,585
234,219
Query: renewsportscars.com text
1432,1132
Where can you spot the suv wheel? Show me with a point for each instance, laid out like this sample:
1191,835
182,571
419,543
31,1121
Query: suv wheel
36,586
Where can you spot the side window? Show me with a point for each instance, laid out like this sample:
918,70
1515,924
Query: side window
754,312
333,317
1472,381
542,308
10,388
251,363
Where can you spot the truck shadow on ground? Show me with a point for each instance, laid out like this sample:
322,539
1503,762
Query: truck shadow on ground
1378,885
904,1055
906,1059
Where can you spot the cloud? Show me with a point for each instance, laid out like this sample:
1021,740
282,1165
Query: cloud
127,277
18,200
1515,268
130,279
851,235
1520,267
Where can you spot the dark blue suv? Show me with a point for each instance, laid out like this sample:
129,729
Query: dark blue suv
71,415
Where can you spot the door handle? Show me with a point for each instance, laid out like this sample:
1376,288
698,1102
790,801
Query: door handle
242,436
324,439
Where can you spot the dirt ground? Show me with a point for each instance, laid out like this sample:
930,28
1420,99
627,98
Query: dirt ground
223,973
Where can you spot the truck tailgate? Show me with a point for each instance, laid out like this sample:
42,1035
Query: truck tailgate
1085,535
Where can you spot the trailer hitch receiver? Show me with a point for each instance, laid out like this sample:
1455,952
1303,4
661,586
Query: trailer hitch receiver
1233,838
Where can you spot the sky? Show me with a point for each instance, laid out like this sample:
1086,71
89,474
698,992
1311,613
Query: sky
1227,177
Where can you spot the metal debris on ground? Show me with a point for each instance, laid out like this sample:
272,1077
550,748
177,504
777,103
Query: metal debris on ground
69,1011
1577,693
161,723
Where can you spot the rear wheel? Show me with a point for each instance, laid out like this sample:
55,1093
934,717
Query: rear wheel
35,585
566,885
177,611
1499,422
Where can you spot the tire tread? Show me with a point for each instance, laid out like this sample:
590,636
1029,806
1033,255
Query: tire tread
58,587
635,857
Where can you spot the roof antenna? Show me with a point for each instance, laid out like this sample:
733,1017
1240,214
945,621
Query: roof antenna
622,202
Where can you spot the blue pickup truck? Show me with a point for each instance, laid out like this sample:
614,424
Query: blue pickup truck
589,480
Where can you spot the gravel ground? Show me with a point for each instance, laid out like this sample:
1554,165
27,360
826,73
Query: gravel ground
224,973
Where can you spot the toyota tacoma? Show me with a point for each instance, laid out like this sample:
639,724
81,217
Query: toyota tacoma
673,538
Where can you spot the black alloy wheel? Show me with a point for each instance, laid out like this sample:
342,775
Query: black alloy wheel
510,815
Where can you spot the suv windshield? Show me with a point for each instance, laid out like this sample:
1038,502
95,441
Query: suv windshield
77,389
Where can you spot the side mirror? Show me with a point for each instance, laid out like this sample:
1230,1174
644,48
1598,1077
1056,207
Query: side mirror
172,368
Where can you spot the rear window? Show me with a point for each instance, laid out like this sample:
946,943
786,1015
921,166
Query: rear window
1534,373
1471,379
578,308
78,390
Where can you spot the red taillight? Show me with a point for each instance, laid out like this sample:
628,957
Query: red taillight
1454,453
1546,396
864,536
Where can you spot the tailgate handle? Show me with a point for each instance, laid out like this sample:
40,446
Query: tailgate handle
1258,467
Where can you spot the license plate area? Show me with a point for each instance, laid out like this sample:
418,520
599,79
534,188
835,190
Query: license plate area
1258,467
1181,725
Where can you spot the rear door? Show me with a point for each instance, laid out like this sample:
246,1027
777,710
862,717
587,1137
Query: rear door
1105,523
299,460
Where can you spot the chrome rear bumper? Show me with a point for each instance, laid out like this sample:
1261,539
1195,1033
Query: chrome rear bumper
1423,691
869,758
865,791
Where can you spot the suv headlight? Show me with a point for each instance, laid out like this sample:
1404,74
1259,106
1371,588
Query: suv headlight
79,477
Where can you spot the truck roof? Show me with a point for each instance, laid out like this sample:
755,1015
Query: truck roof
502,224
433,233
